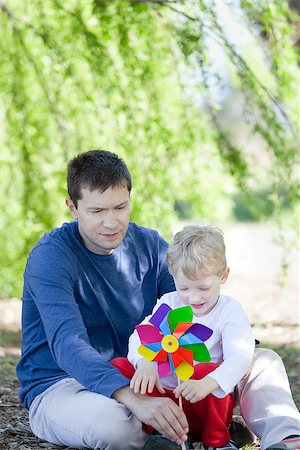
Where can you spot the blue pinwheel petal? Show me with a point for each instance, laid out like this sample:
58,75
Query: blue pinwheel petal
188,339
164,327
172,368
155,347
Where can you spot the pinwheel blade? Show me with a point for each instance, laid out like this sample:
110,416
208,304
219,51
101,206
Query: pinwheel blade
164,368
146,353
148,334
155,347
181,328
201,331
199,351
186,355
184,314
160,314
161,356
184,371
188,339
164,327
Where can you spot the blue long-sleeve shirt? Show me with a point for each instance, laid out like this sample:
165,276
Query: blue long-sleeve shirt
79,308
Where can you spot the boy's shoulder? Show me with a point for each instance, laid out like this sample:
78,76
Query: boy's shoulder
229,305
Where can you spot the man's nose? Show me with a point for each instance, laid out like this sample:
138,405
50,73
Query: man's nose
109,220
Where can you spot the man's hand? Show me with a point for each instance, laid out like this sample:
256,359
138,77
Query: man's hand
195,390
145,378
160,412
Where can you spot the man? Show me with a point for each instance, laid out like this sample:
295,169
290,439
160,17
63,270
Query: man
86,286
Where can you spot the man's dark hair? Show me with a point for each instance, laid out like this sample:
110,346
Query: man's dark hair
96,170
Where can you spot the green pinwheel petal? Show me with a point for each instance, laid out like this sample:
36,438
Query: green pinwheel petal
184,314
200,352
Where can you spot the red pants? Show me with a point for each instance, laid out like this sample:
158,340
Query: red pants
208,419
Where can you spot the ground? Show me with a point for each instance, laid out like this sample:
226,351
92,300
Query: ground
256,280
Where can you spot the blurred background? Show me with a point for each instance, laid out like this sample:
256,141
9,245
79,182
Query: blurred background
201,99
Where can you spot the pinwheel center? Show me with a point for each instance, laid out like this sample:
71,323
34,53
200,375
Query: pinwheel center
169,343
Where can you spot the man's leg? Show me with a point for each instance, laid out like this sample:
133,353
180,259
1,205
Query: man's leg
68,414
266,402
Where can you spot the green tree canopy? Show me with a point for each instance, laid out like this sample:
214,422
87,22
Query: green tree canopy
139,77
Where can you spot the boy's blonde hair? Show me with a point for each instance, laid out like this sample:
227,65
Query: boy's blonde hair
197,250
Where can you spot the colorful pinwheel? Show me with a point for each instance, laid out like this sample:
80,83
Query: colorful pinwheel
173,341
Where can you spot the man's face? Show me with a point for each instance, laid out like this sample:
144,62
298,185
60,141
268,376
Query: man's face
102,218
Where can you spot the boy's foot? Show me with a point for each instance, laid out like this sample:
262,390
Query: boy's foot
291,442
240,433
231,445
157,442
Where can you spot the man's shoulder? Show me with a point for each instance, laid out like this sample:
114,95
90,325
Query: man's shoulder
58,240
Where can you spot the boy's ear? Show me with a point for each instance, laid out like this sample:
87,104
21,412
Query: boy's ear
71,207
225,274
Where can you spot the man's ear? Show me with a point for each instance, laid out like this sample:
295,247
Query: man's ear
72,208
225,274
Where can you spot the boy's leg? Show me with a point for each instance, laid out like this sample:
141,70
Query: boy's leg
209,418
265,399
68,414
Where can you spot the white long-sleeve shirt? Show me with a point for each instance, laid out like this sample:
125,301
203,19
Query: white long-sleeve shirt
231,345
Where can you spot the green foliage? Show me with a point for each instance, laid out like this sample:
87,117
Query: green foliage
136,77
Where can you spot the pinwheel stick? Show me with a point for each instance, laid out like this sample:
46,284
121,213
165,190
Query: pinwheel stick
180,405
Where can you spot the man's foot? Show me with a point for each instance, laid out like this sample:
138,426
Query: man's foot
240,433
158,442
229,446
291,442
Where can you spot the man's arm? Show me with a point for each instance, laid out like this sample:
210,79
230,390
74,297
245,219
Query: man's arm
160,412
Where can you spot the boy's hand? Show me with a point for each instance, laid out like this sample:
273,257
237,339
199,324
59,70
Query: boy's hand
145,378
195,390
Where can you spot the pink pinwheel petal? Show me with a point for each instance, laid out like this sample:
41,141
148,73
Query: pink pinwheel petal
164,368
149,334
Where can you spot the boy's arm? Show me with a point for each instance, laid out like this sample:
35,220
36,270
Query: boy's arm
145,378
238,345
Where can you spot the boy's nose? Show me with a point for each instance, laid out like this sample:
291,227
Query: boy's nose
194,296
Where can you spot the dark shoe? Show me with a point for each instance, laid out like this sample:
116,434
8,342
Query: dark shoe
229,446
240,433
160,443
288,443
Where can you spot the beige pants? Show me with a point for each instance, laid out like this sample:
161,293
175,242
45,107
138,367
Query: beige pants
68,414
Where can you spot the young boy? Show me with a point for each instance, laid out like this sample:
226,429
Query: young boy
196,259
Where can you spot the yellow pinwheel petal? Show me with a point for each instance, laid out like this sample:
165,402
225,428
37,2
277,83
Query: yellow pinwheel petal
147,353
184,371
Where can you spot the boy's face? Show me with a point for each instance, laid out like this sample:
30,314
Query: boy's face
201,294
102,218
